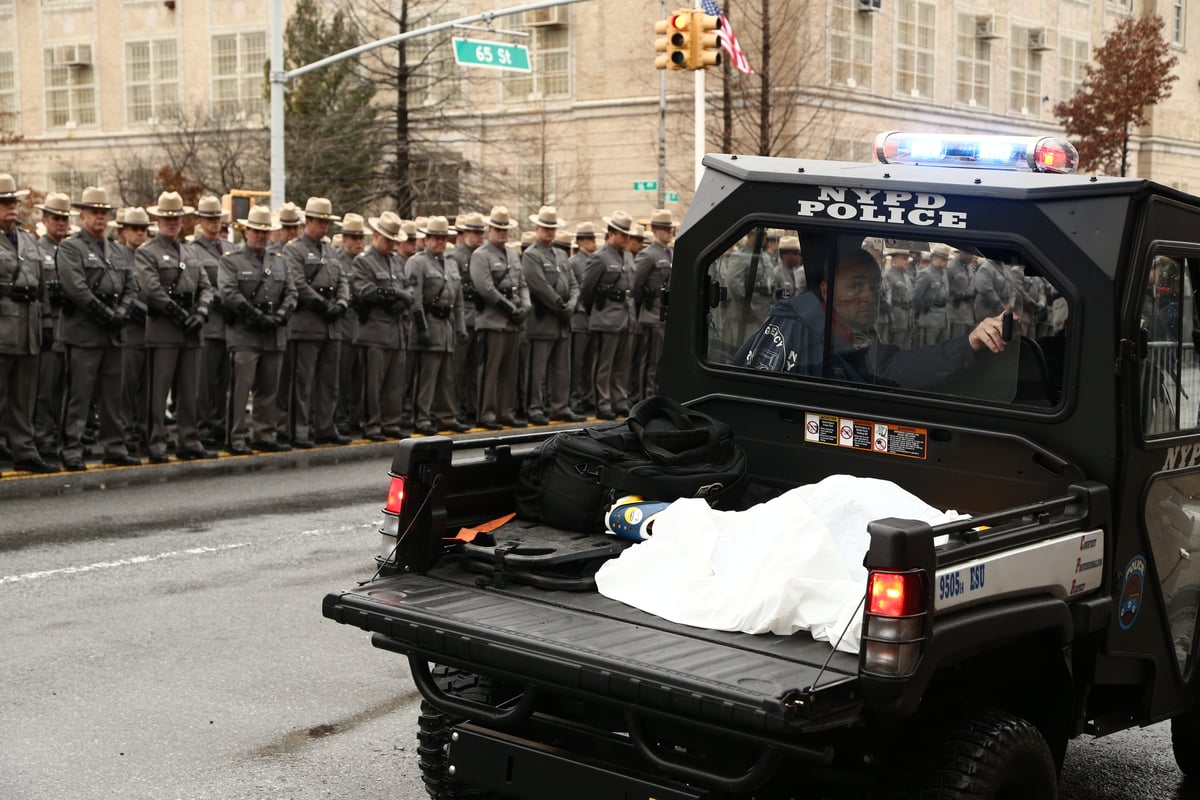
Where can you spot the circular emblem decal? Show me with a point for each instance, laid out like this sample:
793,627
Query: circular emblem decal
1131,592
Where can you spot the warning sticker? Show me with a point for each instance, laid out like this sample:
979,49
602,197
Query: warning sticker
877,437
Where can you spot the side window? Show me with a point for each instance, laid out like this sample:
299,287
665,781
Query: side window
893,313
1170,375
1172,515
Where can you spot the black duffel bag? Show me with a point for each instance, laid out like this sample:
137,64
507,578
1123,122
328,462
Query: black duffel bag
662,451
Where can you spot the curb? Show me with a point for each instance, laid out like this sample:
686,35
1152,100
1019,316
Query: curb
99,477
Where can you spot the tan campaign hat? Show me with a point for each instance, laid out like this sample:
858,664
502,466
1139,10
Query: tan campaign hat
56,203
527,238
410,229
8,188
661,218
135,218
94,197
939,249
320,208
585,230
436,226
170,205
258,219
789,244
208,206
289,215
564,237
352,224
637,231
471,222
546,217
499,217
620,221
389,226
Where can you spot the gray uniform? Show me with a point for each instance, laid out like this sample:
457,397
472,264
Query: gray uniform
929,301
608,289
135,387
496,276
99,287
992,290
351,363
173,292
897,295
652,274
314,337
436,282
214,363
582,350
467,358
554,294
252,287
51,364
21,293
960,292
381,291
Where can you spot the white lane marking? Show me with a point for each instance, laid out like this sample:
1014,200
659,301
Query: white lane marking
121,562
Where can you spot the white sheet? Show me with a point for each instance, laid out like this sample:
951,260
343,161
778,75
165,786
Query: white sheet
791,564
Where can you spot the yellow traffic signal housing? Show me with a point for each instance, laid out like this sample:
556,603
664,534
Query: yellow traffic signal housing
705,45
675,43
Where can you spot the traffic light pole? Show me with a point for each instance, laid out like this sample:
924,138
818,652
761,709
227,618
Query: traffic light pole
662,130
699,132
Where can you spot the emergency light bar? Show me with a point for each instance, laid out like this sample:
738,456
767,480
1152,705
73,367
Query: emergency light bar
1028,153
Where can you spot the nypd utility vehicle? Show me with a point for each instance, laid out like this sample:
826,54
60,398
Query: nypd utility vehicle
965,318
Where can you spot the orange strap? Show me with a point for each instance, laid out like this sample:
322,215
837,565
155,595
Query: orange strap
469,534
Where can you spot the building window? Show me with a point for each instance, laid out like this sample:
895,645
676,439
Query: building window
851,34
70,87
151,81
72,182
1125,6
972,64
535,187
852,149
916,28
8,93
550,57
7,6
238,61
1024,75
1073,57
1178,15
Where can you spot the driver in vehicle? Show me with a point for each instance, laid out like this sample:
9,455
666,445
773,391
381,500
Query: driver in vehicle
792,337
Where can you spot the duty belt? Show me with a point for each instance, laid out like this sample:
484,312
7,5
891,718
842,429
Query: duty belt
183,299
19,294
506,291
439,312
619,294
265,306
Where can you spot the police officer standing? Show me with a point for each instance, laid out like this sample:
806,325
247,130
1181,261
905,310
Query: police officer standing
350,356
258,293
205,251
790,280
381,294
437,328
56,216
500,286
896,293
315,332
99,293
652,274
21,292
930,296
467,355
608,290
960,293
993,293
554,294
582,348
178,296
132,228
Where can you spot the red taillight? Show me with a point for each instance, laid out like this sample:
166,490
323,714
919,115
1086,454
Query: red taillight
895,594
395,495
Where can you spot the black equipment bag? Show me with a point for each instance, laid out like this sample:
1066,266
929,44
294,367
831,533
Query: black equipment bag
662,451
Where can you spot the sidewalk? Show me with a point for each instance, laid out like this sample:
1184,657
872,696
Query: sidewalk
99,477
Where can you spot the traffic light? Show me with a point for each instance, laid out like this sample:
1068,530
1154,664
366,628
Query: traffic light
705,45
674,42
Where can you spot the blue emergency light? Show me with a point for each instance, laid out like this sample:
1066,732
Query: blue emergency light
1027,153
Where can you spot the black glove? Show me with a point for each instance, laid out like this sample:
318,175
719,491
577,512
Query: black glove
385,295
269,322
136,312
252,316
193,323
423,338
404,298
506,306
175,313
103,315
47,338
461,337
333,311
519,314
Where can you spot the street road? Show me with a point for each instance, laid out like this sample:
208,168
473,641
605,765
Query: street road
167,642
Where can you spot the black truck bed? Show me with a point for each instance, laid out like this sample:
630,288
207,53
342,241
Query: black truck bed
584,643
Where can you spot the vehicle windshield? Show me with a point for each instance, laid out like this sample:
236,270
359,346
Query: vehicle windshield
920,315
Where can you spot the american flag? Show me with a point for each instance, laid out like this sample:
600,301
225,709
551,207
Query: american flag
726,37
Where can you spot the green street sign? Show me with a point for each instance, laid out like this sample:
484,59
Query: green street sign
672,197
645,186
491,55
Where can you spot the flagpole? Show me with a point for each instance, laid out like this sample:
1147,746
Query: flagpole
699,116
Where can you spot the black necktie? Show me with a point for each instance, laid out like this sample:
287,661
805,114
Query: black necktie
11,233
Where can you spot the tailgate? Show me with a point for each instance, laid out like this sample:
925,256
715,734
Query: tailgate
590,645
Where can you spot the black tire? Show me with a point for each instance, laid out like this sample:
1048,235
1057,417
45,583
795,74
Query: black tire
985,755
433,733
1185,742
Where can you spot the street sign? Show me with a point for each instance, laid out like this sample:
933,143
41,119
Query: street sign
491,55
645,186
672,197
